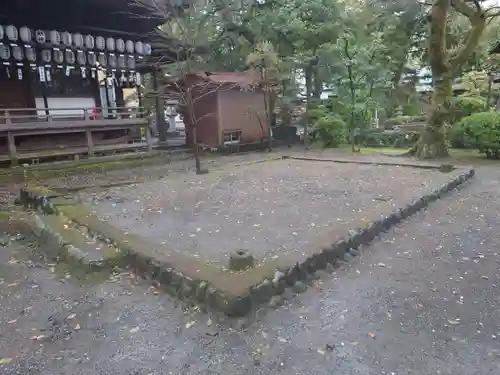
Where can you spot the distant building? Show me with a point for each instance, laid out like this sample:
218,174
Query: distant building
229,109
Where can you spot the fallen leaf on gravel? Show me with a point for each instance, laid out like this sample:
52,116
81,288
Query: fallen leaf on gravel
453,322
5,361
37,338
372,335
12,321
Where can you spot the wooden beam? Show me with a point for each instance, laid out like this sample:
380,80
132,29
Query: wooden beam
12,149
90,141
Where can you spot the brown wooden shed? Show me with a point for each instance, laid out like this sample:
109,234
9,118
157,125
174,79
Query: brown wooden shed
229,108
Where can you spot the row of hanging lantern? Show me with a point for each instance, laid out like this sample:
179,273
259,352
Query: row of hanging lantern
76,40
69,57
70,50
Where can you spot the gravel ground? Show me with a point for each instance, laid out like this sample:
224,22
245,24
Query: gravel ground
270,209
209,161
153,172
422,300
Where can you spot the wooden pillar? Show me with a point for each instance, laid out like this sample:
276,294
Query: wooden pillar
11,142
161,124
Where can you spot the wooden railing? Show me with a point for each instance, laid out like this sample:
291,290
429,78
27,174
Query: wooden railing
17,122
49,115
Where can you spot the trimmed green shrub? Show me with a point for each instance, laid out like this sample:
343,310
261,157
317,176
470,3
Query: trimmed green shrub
401,120
480,131
330,130
387,138
463,106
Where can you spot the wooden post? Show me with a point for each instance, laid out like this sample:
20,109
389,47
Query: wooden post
161,125
8,121
149,139
90,141
12,149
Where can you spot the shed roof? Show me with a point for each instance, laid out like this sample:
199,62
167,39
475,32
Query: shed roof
242,79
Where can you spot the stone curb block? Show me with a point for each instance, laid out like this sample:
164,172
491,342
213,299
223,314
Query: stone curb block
185,287
57,249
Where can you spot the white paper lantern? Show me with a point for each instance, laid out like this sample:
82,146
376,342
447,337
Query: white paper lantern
89,41
30,54
120,45
2,34
101,58
17,53
92,59
25,34
110,44
58,56
40,36
55,37
46,55
4,52
69,56
112,61
139,48
66,39
122,63
81,58
129,46
131,62
147,49
12,33
100,43
78,40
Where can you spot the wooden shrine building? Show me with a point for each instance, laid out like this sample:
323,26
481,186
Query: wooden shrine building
63,68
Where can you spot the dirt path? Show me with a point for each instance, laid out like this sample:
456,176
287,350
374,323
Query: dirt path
422,300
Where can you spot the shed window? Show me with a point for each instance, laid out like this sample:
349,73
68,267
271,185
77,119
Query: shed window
232,137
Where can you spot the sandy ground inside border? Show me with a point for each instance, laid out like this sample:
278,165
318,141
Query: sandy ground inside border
271,209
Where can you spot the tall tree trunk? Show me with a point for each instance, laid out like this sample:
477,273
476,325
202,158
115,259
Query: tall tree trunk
432,142
193,123
308,76
318,84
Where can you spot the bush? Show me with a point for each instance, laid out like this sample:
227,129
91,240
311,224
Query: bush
387,138
463,106
401,120
330,129
481,131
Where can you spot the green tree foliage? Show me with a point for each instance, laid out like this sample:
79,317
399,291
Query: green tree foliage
465,105
481,131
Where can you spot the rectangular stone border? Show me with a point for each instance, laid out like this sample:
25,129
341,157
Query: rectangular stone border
235,294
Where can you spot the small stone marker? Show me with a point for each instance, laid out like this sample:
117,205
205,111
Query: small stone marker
240,260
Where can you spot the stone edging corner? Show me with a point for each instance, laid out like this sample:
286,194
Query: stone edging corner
235,294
